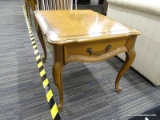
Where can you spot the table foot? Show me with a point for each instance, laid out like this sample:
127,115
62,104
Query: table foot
118,89
59,107
44,59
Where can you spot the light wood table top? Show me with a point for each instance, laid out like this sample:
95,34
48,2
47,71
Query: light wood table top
64,26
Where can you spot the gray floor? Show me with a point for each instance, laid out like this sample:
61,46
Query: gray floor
88,87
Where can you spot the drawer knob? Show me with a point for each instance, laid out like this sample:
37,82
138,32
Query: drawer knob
91,52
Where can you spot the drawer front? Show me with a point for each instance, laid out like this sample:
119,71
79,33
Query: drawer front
94,51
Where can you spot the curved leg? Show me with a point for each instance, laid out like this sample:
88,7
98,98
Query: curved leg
29,14
129,60
57,72
28,11
40,36
26,8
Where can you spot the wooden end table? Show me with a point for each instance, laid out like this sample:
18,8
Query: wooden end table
84,36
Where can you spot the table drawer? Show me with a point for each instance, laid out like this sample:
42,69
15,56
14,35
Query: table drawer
94,51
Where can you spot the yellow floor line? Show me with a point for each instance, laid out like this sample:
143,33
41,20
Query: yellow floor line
45,82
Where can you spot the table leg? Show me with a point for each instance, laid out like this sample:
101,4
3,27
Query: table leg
40,36
57,72
29,13
130,55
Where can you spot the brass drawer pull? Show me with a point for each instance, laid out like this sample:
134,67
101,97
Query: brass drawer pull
91,52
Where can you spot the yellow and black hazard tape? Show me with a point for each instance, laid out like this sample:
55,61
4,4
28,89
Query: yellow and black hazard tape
45,82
